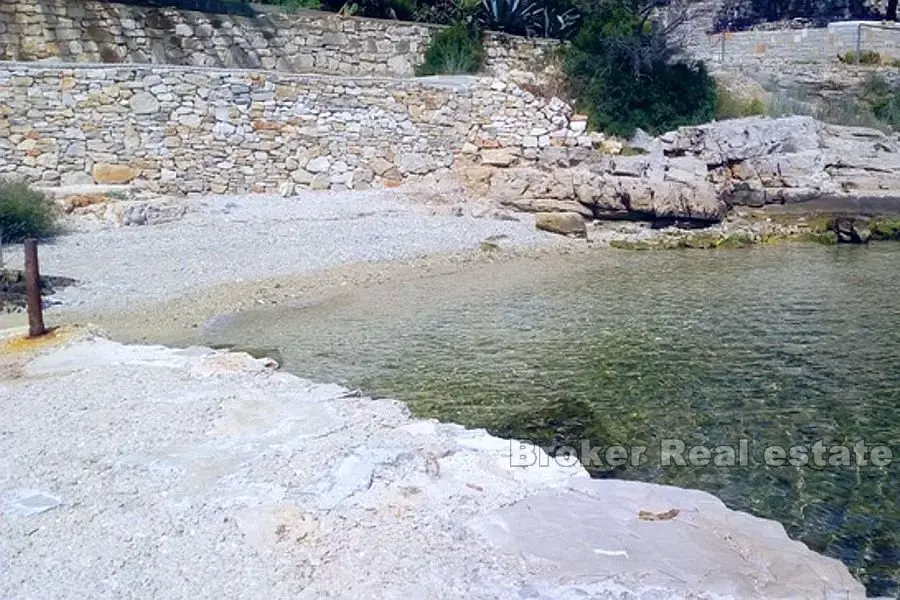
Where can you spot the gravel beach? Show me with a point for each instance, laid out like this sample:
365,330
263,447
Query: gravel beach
230,253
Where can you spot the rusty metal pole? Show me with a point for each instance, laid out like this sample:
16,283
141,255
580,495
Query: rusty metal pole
33,290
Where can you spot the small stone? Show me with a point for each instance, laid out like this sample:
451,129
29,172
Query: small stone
143,103
318,165
578,126
302,177
499,157
75,179
469,148
380,166
286,188
190,120
320,182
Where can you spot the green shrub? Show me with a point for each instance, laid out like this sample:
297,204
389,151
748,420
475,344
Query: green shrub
291,6
866,57
455,50
883,99
25,212
623,75
729,106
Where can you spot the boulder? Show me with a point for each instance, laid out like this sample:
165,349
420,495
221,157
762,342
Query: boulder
643,142
849,231
563,223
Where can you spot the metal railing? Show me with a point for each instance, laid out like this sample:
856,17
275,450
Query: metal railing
859,28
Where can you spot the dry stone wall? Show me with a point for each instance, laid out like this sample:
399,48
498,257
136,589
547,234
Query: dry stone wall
184,130
310,42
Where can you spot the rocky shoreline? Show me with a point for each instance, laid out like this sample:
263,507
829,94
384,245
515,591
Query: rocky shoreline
201,458
218,456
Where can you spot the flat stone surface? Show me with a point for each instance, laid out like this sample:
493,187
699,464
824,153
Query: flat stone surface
202,474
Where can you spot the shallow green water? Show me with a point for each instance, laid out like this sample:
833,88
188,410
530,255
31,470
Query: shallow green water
778,346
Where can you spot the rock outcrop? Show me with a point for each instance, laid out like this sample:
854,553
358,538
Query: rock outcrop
758,161
564,223
696,174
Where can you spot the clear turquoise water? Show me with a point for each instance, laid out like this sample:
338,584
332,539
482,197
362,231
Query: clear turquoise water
778,346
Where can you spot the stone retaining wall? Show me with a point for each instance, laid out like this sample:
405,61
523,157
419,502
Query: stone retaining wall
183,130
772,49
309,42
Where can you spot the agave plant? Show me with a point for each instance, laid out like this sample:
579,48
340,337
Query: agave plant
510,16
548,22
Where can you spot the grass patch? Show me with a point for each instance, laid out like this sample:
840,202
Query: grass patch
730,106
456,50
25,212
885,228
866,57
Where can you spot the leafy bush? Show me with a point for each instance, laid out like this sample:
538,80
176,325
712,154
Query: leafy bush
729,106
455,50
25,212
624,76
